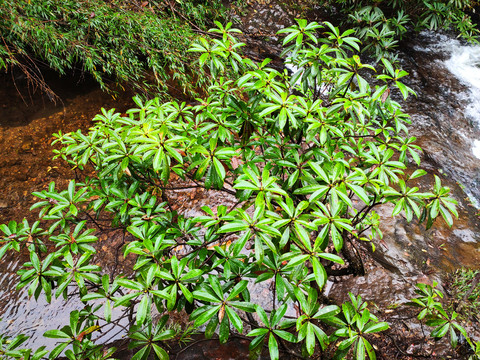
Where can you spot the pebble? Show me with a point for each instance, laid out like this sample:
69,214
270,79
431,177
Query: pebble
26,148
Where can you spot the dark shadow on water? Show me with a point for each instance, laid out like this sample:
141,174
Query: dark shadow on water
21,101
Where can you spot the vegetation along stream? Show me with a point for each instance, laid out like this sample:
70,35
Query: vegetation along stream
203,180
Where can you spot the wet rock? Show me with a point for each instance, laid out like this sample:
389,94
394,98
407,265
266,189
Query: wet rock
260,22
202,349
443,114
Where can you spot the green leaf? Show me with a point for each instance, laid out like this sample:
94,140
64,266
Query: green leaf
243,305
360,350
303,235
440,331
35,261
188,295
224,330
319,272
55,353
143,309
211,327
310,338
359,192
161,353
327,312
129,284
122,301
332,257
273,347
258,332
369,348
234,319
233,227
142,354
446,216
219,168
242,285
376,327
207,315
417,173
108,311
56,334
388,67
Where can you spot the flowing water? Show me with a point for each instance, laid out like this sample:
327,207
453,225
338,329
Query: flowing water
445,73
464,63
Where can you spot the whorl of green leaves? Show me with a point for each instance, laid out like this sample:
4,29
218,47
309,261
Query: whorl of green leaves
305,156
140,44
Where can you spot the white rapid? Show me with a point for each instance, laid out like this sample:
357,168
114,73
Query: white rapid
464,63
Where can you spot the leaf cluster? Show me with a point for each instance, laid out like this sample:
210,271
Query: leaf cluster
381,25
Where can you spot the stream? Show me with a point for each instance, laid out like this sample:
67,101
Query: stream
444,72
26,126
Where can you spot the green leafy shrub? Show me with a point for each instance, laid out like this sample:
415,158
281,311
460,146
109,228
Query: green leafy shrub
306,158
115,41
381,24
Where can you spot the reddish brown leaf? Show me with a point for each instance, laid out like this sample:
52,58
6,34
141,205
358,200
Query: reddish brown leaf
385,95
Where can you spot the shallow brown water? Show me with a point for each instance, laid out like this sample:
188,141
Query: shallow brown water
27,121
